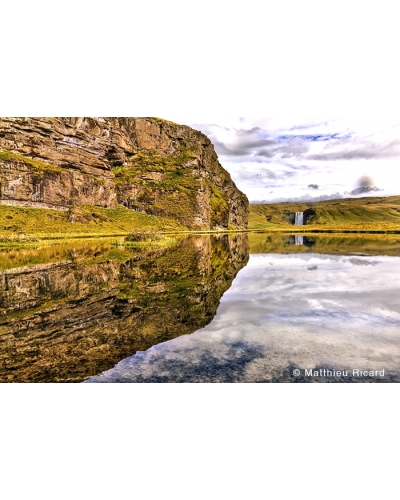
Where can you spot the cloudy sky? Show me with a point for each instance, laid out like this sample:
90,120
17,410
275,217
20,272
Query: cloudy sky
278,160
291,61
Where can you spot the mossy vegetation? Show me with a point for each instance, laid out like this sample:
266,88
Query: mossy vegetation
40,167
148,238
145,161
143,236
161,121
159,184
168,185
219,206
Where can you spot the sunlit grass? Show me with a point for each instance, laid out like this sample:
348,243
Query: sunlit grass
25,225
371,215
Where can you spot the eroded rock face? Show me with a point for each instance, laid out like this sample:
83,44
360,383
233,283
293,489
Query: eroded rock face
147,164
71,320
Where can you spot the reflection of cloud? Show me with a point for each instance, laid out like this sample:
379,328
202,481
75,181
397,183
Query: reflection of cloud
268,321
363,262
227,364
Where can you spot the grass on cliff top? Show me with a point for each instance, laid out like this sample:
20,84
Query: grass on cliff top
39,166
161,121
19,224
372,214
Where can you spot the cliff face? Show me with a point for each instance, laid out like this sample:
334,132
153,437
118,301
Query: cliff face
146,164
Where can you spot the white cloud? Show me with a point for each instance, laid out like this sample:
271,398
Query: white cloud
281,159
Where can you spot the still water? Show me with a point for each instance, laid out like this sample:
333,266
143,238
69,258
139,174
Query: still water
237,308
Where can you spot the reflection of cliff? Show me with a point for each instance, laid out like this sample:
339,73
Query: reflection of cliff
72,320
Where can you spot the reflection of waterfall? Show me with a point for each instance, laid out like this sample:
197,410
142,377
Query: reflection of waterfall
298,239
298,221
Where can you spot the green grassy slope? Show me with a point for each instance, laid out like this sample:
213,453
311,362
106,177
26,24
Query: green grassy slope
19,223
369,213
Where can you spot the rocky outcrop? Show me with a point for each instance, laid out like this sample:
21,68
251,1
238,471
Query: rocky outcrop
74,319
146,164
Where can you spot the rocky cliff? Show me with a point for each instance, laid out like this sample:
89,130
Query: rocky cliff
146,164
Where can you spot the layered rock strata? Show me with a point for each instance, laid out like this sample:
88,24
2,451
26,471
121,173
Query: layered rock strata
146,164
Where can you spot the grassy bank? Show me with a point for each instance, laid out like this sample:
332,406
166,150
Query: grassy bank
26,225
352,215
23,226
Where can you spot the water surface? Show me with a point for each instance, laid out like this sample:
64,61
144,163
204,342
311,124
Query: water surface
237,308
287,312
95,303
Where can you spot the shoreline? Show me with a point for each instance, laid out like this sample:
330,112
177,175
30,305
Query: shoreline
35,240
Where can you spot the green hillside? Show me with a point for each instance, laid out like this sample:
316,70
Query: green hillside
24,223
358,214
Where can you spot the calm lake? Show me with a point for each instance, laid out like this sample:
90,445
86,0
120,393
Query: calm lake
237,308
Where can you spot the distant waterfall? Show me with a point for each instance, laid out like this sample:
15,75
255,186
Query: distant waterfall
298,221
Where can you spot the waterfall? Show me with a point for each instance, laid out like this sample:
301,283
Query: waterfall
298,221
